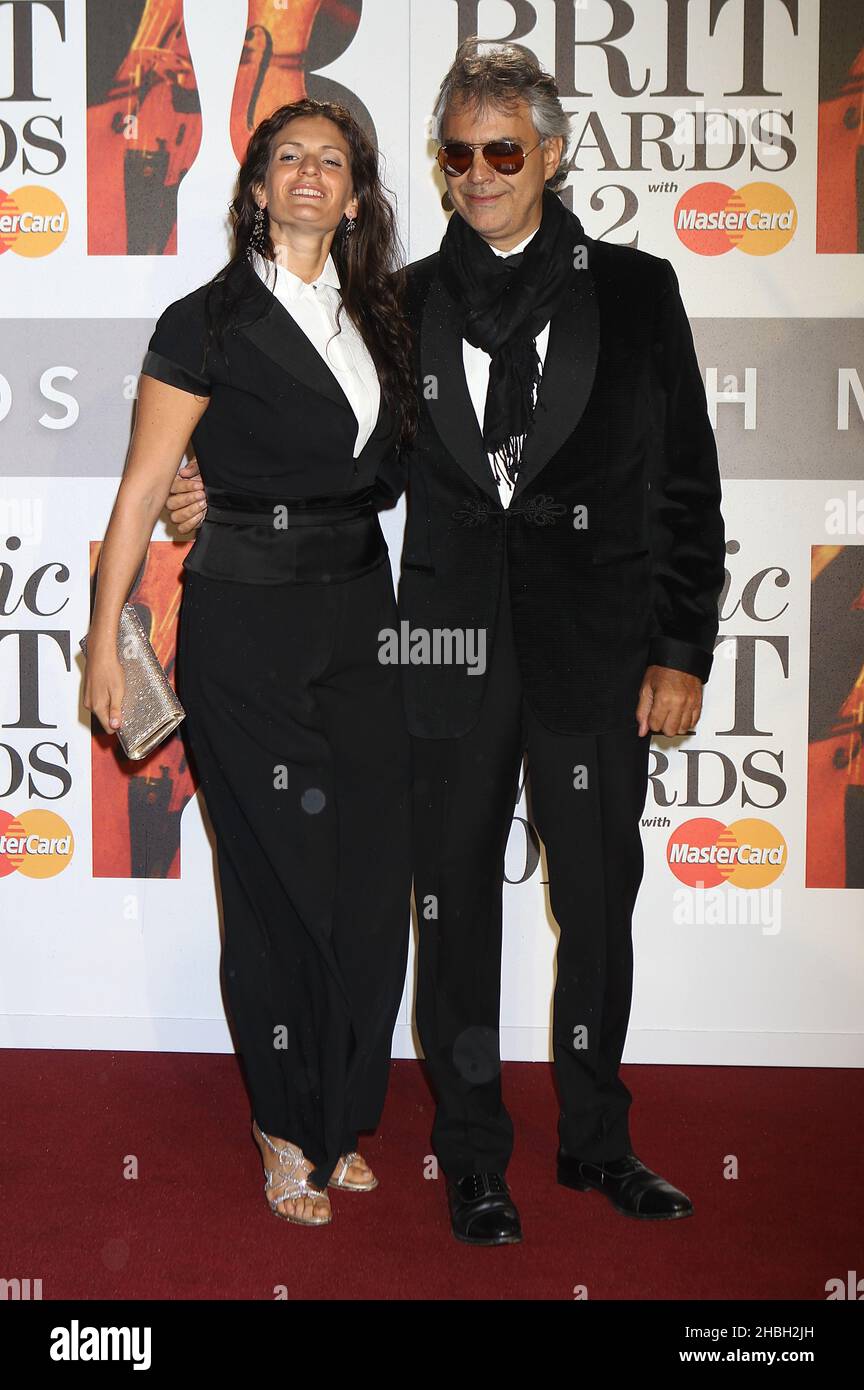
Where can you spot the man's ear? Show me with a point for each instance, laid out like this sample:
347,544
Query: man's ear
554,146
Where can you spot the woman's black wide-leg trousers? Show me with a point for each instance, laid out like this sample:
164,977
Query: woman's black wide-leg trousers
297,735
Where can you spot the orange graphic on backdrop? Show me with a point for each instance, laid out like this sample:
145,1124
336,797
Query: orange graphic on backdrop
840,164
271,71
142,141
835,763
138,806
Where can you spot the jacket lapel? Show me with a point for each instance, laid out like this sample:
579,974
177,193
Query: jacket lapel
278,335
565,382
449,402
567,377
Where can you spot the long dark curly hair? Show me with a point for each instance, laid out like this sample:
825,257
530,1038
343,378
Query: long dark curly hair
368,262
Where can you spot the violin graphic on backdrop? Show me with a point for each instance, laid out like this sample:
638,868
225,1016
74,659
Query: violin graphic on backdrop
840,195
142,140
138,807
144,122
835,765
272,65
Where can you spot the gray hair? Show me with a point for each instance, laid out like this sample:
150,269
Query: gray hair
503,75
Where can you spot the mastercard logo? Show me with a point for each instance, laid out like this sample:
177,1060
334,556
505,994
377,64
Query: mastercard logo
759,218
748,853
38,844
33,221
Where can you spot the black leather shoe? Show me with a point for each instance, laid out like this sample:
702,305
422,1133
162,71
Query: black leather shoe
631,1187
482,1212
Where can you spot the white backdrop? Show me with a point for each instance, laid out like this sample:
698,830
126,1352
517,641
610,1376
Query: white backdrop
763,974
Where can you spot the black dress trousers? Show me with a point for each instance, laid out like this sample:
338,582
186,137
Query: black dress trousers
586,795
297,735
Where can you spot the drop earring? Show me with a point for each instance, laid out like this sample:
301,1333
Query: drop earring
258,237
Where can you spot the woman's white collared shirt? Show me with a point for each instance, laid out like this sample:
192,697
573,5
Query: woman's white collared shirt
313,308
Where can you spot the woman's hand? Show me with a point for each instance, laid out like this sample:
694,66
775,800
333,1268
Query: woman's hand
104,682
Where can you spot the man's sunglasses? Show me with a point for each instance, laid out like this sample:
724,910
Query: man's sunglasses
504,156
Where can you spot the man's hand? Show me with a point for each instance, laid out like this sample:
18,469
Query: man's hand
670,702
187,501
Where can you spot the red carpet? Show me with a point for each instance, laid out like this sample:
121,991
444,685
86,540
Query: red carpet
194,1224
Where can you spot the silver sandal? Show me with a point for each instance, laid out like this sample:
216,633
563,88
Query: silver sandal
291,1186
346,1161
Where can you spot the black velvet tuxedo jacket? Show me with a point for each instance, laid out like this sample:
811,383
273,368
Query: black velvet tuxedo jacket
613,543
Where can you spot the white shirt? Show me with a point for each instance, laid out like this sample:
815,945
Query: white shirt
313,308
476,363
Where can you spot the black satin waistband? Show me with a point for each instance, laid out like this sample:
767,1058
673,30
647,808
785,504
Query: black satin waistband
316,540
253,510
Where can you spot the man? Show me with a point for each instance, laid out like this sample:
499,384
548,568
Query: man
563,509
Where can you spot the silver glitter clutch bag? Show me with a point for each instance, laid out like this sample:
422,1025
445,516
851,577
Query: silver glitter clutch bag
150,709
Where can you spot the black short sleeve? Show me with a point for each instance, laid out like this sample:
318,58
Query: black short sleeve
176,352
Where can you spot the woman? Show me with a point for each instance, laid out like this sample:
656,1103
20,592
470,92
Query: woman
296,398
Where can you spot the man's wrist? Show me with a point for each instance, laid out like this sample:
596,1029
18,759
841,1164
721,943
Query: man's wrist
680,656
